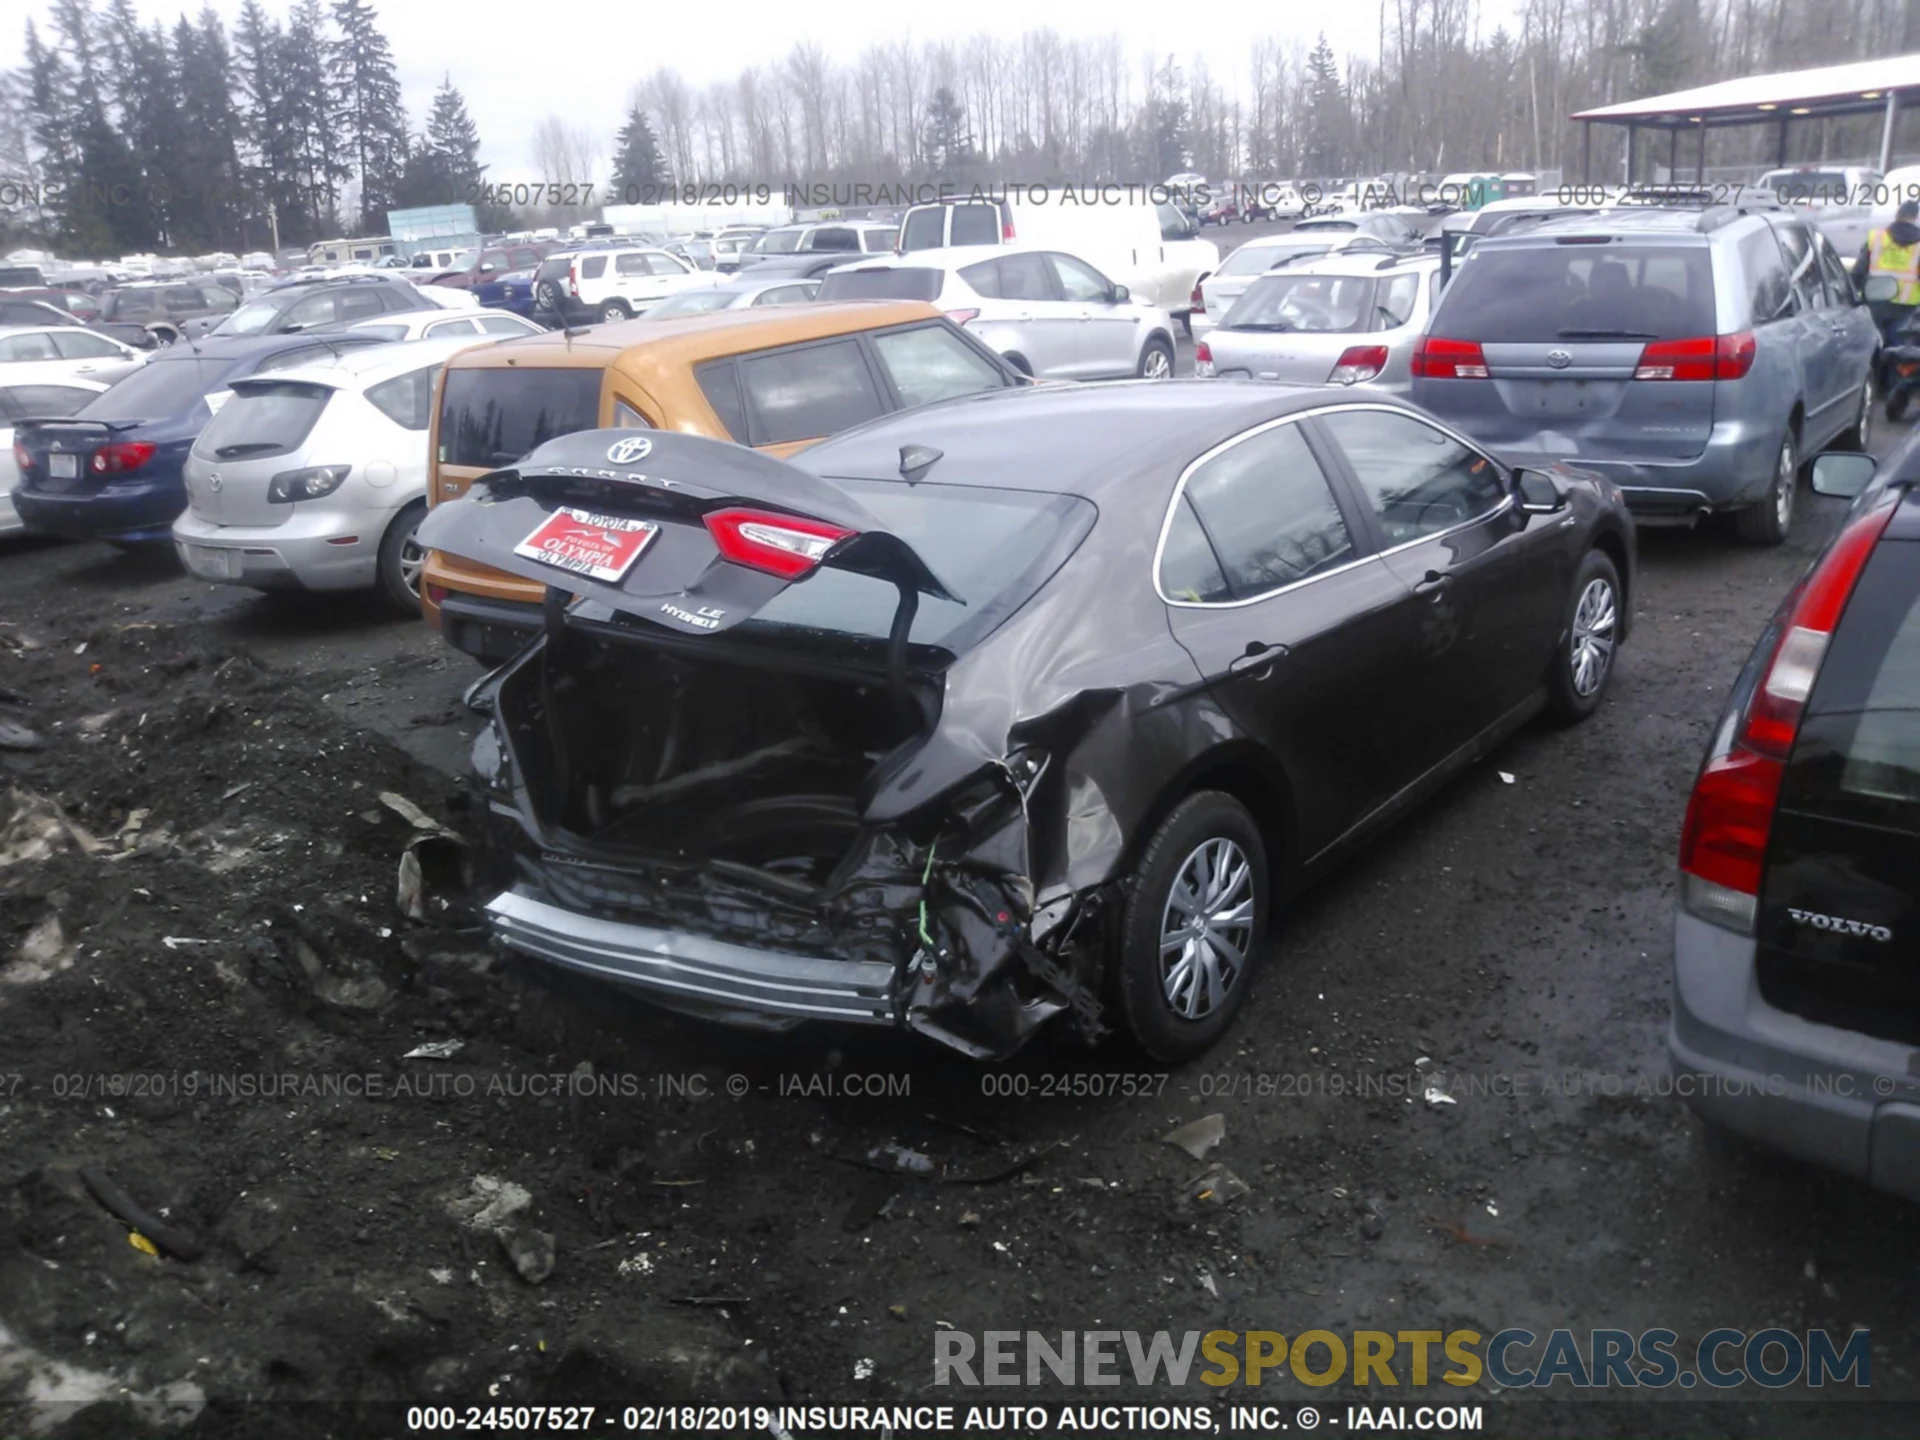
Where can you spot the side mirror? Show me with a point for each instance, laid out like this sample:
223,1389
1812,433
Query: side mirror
1880,287
1121,295
1842,473
1538,494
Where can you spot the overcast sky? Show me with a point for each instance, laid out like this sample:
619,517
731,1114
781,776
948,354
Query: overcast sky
517,63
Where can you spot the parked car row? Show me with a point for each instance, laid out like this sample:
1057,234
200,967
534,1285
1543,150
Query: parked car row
1696,355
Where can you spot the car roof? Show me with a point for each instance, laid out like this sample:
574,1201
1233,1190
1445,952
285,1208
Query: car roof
1655,223
6,330
946,257
236,349
1088,439
357,369
683,340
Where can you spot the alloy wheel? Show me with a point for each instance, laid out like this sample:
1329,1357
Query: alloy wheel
1591,654
1783,485
1206,928
1156,366
413,560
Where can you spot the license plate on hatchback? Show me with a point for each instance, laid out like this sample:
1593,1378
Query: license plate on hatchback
212,563
63,467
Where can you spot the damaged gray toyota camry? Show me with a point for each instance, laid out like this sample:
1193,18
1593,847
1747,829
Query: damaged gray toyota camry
1018,706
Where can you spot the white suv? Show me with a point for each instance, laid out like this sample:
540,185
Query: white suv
613,285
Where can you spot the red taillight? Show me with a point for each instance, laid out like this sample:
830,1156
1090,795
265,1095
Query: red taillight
1203,353
1358,364
961,317
1723,845
22,457
1437,358
783,545
1006,230
1197,301
121,456
573,281
1704,357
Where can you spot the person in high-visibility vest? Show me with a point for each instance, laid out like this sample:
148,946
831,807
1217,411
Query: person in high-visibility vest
1894,251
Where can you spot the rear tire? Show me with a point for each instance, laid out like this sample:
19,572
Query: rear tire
1769,522
614,311
1193,927
1583,663
1156,360
401,561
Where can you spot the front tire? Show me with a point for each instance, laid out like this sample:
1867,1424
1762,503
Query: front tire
1584,661
1156,360
401,560
1193,927
1769,522
614,311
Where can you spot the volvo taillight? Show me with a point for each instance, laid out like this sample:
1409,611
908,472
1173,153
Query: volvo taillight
1723,845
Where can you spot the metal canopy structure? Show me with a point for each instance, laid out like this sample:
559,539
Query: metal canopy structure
1866,87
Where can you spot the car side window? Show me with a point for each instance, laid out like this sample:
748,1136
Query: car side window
721,386
218,297
632,263
503,325
808,391
407,399
975,223
460,325
1803,266
671,265
984,277
626,417
1080,281
310,311
1417,478
1394,302
1026,277
1769,291
1189,570
1173,225
357,304
28,347
1840,291
785,295
1268,514
930,362
83,345
834,237
592,267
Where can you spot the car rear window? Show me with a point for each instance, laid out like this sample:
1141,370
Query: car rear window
1253,259
1306,304
490,418
1538,293
924,229
992,548
158,389
976,225
264,419
883,282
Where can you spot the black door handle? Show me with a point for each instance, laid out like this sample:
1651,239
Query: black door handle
1258,661
1434,586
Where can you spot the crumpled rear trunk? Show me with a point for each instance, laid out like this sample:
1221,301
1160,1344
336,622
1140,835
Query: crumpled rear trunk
691,794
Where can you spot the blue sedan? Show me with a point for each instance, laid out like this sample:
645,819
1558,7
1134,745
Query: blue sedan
512,291
114,470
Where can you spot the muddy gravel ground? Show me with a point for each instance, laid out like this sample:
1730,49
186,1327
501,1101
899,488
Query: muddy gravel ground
210,994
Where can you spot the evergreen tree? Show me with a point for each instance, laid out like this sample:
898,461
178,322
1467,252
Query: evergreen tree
1163,123
948,144
637,162
367,110
318,166
209,205
1325,151
268,161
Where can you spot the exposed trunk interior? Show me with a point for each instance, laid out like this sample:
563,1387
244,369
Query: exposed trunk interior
746,771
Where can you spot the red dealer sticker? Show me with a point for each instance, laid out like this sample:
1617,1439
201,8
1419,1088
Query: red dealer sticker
603,546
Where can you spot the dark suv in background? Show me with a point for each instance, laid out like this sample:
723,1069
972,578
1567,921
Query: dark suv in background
321,302
1796,1006
168,309
1692,355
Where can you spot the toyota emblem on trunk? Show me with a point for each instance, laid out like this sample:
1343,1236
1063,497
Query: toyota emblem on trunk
625,452
1559,359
